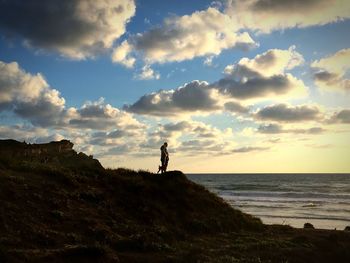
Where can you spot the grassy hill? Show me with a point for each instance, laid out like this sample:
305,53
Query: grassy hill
68,208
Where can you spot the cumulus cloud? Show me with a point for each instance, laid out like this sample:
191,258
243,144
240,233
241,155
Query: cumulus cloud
268,15
269,63
261,87
75,28
287,113
263,76
274,128
342,116
259,78
203,33
148,73
29,96
330,71
109,130
191,97
101,116
122,55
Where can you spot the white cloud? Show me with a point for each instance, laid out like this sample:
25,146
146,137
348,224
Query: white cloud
29,96
271,62
121,55
203,33
263,76
331,70
208,61
101,116
148,73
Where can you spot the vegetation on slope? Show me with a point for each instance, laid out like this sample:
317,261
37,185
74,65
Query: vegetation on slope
71,209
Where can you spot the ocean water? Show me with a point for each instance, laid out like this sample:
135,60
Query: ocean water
291,199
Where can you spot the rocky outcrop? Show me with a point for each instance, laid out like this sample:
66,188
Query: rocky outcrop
14,148
55,153
309,226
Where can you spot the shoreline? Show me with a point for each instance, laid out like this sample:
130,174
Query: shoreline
285,199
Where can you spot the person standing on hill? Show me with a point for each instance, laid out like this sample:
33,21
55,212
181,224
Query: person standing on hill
164,157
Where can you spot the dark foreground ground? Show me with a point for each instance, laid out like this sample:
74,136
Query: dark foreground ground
70,209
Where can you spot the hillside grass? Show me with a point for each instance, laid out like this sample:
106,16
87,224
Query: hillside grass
77,211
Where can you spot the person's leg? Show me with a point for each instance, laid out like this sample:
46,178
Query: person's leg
163,165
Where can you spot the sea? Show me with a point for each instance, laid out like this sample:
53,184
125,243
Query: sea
288,199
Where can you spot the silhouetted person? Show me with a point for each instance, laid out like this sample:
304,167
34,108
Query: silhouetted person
164,158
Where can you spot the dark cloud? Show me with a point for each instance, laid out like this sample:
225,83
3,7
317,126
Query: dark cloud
200,146
342,116
330,72
273,128
42,113
249,149
326,76
284,5
285,113
48,23
119,150
193,96
330,80
75,28
255,87
179,126
115,136
235,107
262,76
276,140
270,128
268,15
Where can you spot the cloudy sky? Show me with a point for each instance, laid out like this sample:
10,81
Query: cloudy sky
231,85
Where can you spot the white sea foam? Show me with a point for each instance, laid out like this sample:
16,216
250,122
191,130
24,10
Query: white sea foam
323,200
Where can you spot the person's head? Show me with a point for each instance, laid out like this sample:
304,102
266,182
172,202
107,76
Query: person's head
165,144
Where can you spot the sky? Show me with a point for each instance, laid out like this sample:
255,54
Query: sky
233,86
